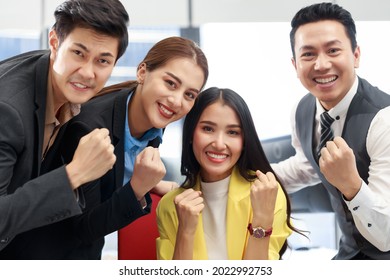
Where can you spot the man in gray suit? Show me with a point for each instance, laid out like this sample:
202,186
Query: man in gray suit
39,92
341,131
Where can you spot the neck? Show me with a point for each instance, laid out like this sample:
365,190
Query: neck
136,115
58,99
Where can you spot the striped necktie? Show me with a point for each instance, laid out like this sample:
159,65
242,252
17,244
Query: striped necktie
326,132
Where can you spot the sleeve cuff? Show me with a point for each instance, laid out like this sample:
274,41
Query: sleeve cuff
143,203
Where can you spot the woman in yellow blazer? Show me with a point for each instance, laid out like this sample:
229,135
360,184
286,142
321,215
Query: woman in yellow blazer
230,206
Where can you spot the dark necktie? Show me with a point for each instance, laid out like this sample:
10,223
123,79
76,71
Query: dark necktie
326,132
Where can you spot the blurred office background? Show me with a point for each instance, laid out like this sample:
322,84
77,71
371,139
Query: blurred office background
248,49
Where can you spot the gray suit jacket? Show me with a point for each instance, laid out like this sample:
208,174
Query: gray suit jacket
27,198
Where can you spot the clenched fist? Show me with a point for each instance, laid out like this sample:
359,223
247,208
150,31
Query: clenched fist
189,204
264,191
338,164
148,171
93,157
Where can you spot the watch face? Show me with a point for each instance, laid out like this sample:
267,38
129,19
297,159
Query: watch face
258,232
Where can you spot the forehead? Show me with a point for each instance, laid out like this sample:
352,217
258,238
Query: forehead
221,112
186,70
93,40
320,32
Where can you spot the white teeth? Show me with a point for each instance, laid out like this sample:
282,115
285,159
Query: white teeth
216,156
326,80
80,85
165,110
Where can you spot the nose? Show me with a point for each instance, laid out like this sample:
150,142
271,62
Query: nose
219,142
175,99
87,70
322,63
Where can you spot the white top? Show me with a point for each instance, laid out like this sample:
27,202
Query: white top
370,208
215,196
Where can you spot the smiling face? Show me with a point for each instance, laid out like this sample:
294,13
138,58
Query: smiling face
81,64
325,62
165,94
217,141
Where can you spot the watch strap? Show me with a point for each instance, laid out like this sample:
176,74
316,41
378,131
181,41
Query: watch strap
259,232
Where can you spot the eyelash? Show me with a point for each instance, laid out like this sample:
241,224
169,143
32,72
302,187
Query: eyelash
171,83
234,132
78,53
101,60
104,61
330,51
231,132
191,95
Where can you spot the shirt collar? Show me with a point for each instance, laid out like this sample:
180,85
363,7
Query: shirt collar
148,136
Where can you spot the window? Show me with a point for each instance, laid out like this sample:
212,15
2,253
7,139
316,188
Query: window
13,42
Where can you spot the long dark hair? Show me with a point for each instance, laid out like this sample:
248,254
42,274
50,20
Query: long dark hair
252,157
162,52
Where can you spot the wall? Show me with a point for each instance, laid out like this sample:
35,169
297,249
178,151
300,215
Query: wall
35,14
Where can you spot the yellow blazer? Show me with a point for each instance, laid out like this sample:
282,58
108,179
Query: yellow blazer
239,215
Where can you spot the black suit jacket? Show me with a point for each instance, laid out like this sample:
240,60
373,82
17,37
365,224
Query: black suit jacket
27,200
107,204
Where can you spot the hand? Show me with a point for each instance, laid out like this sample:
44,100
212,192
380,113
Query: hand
93,157
264,191
337,163
164,187
189,204
148,171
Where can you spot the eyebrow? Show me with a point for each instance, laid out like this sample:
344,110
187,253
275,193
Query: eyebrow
213,123
80,45
328,44
180,81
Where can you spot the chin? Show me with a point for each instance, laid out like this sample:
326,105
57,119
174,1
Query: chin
82,99
162,122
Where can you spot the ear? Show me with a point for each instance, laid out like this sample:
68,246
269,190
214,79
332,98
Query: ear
141,73
294,64
53,43
356,54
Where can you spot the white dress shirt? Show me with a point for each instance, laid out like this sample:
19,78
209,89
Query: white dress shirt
370,207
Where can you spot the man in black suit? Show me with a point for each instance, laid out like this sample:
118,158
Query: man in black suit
341,131
39,92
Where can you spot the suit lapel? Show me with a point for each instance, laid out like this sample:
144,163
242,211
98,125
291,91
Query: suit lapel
238,215
40,109
200,251
118,130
